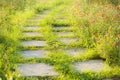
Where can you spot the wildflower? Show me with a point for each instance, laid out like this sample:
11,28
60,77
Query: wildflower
119,36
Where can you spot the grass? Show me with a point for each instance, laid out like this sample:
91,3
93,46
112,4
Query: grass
95,24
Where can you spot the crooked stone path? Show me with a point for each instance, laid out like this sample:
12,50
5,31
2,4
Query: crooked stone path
36,69
66,37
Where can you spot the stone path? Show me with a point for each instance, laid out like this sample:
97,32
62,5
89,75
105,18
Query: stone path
36,69
93,65
66,37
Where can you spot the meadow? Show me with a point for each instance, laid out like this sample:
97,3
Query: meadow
90,26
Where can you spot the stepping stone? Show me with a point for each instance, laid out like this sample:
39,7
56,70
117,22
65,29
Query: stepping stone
62,28
31,28
34,43
64,34
68,41
46,12
36,18
61,19
32,34
39,69
35,53
76,52
41,16
94,65
33,22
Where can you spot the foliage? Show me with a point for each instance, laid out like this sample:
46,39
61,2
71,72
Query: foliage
98,27
94,22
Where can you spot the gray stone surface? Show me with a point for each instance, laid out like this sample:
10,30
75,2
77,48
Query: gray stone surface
34,43
39,69
76,52
39,17
32,34
61,19
36,18
33,22
62,28
65,34
68,41
35,53
34,28
94,65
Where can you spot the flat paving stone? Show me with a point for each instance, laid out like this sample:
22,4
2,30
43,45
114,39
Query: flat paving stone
37,18
65,34
62,28
34,28
33,22
35,53
38,69
76,52
68,41
41,16
32,34
34,43
94,65
61,19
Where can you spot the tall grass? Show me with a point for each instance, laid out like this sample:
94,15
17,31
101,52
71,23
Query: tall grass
98,27
114,2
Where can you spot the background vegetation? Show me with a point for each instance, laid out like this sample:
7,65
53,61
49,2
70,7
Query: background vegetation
99,27
97,24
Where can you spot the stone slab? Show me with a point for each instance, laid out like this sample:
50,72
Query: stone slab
62,34
61,19
39,17
33,22
34,43
76,52
32,34
38,69
34,28
35,53
68,41
62,28
94,65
